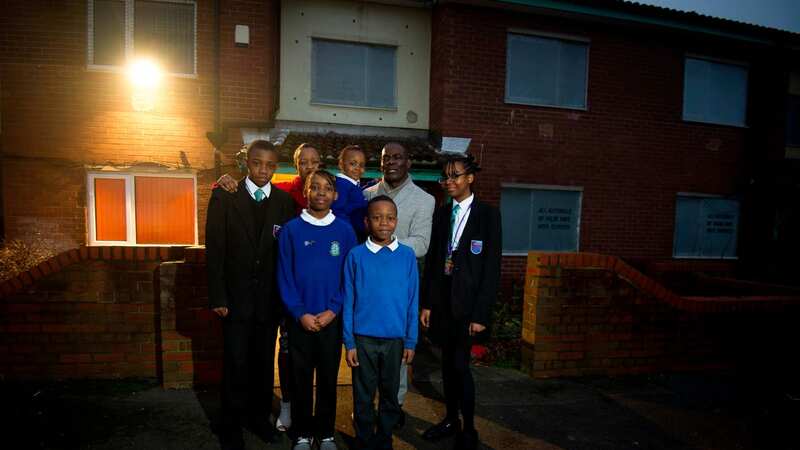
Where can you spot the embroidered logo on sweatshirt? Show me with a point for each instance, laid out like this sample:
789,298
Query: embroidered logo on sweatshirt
335,248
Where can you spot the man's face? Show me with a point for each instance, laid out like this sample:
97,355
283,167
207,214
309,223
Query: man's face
307,162
320,193
394,164
261,164
381,221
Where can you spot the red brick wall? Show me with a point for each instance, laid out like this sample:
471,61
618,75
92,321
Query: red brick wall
94,319
589,314
630,150
59,117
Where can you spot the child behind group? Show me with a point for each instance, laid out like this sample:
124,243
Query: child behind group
379,322
351,204
312,250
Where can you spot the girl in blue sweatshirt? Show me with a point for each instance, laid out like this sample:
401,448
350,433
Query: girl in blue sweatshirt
312,249
351,204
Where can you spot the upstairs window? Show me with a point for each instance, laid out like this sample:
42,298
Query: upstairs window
353,74
162,30
714,92
546,71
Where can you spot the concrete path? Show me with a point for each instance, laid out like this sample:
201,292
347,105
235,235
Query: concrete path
514,412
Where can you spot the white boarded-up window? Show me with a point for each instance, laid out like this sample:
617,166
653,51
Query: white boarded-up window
540,219
714,92
705,227
546,71
353,74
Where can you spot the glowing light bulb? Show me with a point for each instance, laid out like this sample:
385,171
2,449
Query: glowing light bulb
144,74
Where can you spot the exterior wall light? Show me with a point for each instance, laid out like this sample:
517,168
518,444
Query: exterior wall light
145,78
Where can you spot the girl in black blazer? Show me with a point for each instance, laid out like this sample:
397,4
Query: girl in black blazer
462,273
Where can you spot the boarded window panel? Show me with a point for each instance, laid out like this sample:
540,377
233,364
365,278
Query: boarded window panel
556,217
165,210
515,208
706,227
109,32
109,209
164,31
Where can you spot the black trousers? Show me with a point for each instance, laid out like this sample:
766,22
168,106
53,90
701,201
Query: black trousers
247,373
308,351
459,386
378,368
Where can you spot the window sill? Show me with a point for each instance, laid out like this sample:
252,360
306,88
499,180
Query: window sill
719,124
126,244
508,101
537,251
369,108
712,258
121,70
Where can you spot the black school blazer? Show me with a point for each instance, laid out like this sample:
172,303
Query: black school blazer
476,271
241,267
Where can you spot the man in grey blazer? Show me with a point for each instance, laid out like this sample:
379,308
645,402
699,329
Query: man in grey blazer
414,217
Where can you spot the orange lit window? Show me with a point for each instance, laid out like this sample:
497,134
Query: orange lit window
142,209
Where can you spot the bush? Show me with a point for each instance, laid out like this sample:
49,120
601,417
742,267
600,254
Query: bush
17,256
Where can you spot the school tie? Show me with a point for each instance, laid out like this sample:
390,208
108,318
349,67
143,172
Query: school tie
259,195
453,216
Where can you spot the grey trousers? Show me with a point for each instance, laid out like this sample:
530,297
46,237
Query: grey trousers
378,369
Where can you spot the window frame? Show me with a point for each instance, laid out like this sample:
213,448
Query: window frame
129,42
701,195
557,37
130,207
722,61
546,187
342,105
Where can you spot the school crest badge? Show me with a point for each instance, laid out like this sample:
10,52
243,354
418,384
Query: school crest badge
275,230
335,250
476,247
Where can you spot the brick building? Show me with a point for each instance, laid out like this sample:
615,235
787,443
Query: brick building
601,126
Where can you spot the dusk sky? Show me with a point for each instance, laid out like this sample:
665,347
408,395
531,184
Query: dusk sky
781,14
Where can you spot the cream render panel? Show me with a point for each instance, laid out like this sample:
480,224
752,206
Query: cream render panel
407,29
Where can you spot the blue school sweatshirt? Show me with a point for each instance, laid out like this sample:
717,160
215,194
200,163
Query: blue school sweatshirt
381,294
310,261
350,204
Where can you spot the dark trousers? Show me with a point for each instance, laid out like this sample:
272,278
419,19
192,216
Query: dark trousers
309,351
247,373
378,368
459,387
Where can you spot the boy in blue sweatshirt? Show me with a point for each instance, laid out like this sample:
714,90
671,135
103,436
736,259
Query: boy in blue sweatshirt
379,322
312,250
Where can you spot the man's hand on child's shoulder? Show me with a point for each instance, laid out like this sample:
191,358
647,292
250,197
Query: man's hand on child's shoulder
408,355
309,322
352,358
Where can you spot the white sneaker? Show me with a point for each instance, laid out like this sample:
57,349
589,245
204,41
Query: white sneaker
327,444
302,443
285,418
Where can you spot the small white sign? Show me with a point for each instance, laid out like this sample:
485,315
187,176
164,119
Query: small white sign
455,144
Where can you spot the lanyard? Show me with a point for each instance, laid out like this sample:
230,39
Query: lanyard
453,241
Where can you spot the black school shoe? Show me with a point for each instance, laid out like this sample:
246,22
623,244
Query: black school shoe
466,440
446,427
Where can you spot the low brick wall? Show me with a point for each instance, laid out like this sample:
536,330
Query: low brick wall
84,313
588,314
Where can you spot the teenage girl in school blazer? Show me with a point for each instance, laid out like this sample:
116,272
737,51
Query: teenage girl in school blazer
462,273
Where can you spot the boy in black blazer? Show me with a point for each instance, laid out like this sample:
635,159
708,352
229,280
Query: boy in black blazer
462,273
241,249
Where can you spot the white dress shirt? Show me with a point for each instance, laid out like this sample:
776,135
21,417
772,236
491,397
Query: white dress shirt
252,188
461,218
375,248
325,221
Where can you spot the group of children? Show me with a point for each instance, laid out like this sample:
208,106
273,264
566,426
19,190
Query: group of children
344,278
